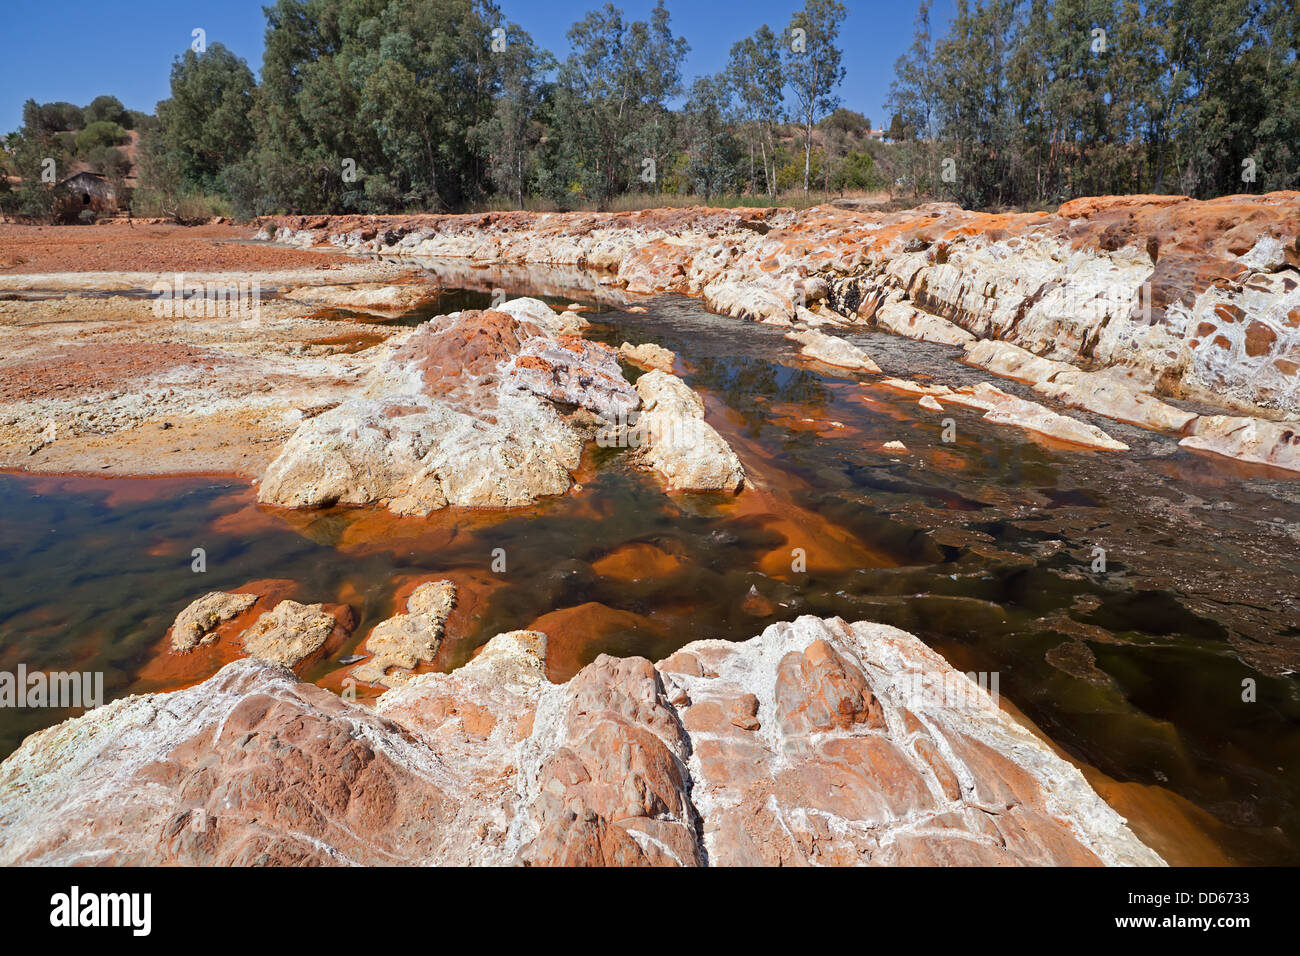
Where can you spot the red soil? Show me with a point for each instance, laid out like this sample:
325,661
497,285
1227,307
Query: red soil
136,247
92,368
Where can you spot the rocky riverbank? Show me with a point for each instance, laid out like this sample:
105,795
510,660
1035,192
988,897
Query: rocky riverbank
1125,298
817,742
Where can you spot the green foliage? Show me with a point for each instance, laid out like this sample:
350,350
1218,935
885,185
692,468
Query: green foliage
791,173
107,109
379,106
42,118
856,172
714,152
756,78
611,101
98,135
204,126
193,207
812,67
415,79
511,136
1038,101
847,122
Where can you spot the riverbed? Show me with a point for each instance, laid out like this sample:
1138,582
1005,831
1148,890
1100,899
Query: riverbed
1140,611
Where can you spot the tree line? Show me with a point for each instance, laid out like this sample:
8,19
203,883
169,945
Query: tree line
378,106
1034,102
388,105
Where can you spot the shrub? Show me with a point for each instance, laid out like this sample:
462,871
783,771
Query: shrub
100,134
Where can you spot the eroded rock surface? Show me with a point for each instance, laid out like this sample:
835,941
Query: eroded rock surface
450,419
406,639
816,742
574,372
1005,409
1181,298
194,624
833,350
290,633
1102,392
1010,410
678,443
375,296
825,743
1248,439
648,355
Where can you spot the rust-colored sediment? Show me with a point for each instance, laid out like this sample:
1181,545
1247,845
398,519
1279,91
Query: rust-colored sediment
575,635
140,247
168,671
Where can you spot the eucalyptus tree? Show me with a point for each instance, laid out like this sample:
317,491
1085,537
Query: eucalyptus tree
374,104
512,136
812,67
913,101
612,95
712,146
205,124
756,79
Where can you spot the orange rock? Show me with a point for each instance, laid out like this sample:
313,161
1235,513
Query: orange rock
576,635
638,561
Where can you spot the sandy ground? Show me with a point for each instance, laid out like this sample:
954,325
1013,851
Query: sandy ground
138,247
93,380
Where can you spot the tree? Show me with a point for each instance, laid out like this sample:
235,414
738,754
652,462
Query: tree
205,125
1277,132
857,171
428,83
756,80
812,66
843,129
107,109
512,134
59,117
913,98
33,196
416,81
973,102
712,147
611,99
99,134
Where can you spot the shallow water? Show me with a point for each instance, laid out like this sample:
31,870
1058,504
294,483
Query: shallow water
983,546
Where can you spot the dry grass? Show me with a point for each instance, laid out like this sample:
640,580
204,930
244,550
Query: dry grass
633,202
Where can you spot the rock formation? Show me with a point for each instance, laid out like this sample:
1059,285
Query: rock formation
676,441
404,640
442,421
375,296
574,372
648,356
817,742
477,409
1178,298
1105,393
833,351
290,633
194,624
1010,410
1248,439
1001,408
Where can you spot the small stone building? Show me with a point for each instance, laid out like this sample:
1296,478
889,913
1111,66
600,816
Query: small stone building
86,196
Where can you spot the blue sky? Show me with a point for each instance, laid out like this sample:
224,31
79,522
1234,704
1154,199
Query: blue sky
77,49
